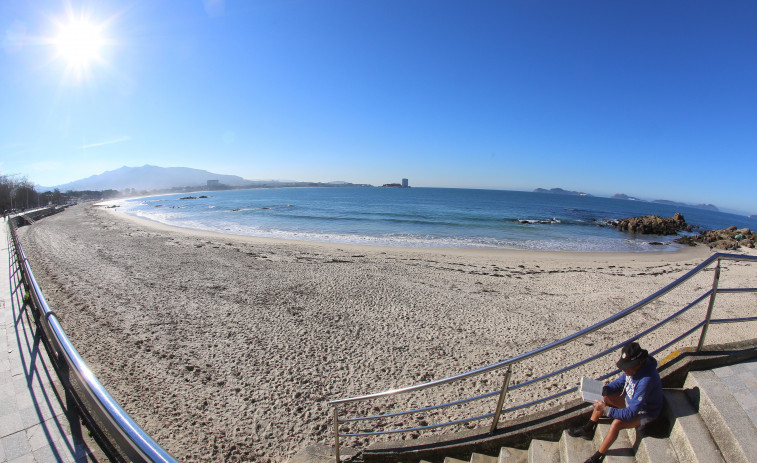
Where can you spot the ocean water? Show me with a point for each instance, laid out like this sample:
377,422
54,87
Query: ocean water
424,217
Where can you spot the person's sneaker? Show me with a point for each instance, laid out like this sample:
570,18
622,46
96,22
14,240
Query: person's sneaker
596,458
580,431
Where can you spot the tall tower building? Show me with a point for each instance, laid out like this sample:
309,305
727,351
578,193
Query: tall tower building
404,183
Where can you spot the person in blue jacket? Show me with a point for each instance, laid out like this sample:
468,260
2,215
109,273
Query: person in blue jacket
632,401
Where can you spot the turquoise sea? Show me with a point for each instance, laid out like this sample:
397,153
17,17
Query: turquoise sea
424,217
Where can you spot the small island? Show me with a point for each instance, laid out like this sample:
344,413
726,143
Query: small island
404,184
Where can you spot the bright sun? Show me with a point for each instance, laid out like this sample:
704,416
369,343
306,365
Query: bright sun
79,43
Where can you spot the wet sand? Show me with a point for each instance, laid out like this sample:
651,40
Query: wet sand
228,348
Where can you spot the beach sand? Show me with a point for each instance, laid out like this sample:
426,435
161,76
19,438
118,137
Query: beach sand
229,348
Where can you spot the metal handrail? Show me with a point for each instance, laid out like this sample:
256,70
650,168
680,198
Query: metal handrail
128,437
518,358
540,350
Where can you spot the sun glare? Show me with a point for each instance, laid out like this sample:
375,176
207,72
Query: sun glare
79,43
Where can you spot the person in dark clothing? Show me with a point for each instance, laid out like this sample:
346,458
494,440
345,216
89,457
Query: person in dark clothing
633,400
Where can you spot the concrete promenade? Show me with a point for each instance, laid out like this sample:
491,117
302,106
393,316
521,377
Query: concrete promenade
36,422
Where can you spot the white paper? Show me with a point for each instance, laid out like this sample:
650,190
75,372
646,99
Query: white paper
591,389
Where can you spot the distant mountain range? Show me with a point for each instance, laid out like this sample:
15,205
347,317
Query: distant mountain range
560,191
150,177
708,207
154,178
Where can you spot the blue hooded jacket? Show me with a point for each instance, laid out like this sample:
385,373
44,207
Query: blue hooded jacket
643,393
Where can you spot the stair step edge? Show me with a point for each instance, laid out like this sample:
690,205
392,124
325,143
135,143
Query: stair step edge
575,449
542,451
621,451
653,449
690,437
511,455
736,436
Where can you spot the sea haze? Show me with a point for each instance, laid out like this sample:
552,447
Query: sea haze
423,217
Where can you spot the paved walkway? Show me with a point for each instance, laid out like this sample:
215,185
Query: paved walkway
36,423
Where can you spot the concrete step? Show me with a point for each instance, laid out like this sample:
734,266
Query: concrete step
453,460
575,449
621,451
481,458
651,449
511,455
728,423
542,451
690,437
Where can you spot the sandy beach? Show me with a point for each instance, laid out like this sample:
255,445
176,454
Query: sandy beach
228,348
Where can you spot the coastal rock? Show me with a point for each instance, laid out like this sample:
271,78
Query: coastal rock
727,238
653,225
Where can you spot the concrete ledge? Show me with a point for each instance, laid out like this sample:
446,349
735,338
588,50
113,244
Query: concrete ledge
317,453
21,218
675,367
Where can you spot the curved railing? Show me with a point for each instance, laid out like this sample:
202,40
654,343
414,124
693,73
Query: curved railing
96,404
509,363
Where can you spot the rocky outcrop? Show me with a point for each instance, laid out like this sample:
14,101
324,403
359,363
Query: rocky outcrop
653,225
727,238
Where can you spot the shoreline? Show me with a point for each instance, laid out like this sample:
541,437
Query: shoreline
226,347
681,254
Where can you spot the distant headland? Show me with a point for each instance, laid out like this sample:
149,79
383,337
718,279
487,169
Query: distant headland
560,191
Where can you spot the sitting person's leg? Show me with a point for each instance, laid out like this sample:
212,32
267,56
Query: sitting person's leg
587,431
615,428
610,438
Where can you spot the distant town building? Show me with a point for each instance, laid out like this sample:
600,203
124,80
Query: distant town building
404,183
213,183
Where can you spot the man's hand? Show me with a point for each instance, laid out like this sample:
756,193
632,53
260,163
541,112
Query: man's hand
600,406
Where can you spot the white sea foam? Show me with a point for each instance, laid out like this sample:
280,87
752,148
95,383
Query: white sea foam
369,216
566,244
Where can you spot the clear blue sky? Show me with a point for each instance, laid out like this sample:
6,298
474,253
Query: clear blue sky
648,98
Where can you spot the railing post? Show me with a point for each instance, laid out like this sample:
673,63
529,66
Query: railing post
336,434
715,281
501,401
